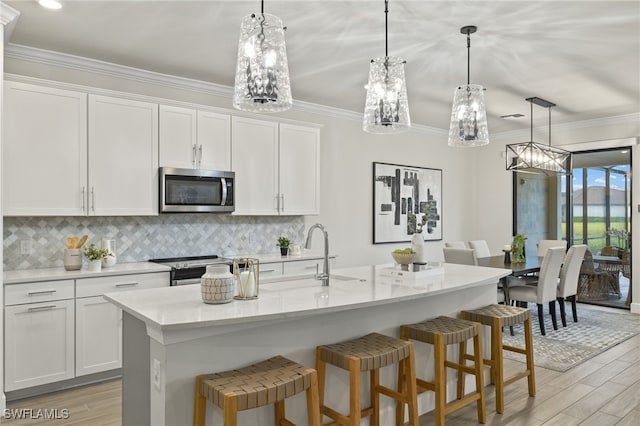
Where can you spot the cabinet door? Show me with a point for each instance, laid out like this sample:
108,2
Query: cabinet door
44,159
299,170
38,344
254,157
123,157
178,137
214,141
98,335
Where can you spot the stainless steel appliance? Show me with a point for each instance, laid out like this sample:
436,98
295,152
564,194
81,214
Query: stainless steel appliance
189,270
195,190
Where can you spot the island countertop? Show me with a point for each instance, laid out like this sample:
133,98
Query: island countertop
181,307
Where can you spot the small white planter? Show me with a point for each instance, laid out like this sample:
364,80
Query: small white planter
95,265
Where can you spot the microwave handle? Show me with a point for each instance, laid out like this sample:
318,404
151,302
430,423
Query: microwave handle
223,181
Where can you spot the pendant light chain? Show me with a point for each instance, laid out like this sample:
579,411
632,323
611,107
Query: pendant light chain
468,56
386,28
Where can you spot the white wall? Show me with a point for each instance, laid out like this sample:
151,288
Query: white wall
477,192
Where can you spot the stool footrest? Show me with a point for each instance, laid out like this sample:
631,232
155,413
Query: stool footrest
514,349
516,377
462,402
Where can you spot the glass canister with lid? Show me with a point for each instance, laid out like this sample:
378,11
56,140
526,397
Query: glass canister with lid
217,284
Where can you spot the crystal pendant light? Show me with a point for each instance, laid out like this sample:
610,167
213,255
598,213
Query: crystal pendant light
468,116
262,73
386,108
532,157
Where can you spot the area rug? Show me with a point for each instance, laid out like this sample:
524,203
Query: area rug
559,350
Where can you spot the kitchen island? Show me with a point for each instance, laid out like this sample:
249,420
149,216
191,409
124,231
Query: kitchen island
170,335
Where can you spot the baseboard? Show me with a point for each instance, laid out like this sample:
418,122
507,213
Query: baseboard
3,402
62,385
635,308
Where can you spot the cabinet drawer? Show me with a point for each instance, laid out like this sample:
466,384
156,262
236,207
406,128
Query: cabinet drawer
100,285
268,270
43,291
305,266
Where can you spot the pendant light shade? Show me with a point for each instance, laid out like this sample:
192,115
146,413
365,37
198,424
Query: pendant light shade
262,72
468,126
386,108
533,157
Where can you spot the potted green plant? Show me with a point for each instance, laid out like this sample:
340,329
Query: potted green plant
95,256
283,243
517,248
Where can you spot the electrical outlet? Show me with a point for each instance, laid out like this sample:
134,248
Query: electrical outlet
25,247
155,373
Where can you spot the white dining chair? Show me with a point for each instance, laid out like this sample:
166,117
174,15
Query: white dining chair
455,244
568,282
464,256
544,245
481,247
547,288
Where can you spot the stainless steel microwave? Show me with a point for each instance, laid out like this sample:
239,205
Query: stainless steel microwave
194,190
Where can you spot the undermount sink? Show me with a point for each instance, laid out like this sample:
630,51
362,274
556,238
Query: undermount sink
298,281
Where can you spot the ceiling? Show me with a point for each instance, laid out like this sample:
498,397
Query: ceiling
582,55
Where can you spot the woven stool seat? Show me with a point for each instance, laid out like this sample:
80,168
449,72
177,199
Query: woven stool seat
452,330
374,350
509,315
264,383
370,353
441,332
496,317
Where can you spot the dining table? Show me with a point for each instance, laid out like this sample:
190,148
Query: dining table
530,266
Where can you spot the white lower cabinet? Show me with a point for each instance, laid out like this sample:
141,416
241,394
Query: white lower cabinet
38,343
98,335
50,335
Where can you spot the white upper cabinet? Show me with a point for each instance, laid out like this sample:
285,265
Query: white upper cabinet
178,137
254,156
194,139
44,161
123,157
277,168
299,170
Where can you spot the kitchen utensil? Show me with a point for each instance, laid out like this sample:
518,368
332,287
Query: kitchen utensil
68,242
74,242
82,241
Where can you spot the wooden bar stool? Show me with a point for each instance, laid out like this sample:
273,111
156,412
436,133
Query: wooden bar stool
441,332
264,383
497,317
370,353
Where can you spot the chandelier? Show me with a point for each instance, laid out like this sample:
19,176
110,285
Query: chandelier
532,157
262,73
468,116
386,108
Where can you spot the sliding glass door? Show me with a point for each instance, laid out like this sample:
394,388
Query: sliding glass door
591,206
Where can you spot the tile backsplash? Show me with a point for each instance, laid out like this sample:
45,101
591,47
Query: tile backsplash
139,238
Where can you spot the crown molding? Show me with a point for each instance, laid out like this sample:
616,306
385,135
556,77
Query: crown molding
78,63
513,135
8,19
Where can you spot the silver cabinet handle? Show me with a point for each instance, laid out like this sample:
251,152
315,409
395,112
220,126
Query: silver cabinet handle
93,200
278,203
264,271
193,152
127,285
199,155
282,196
35,293
312,267
83,199
42,308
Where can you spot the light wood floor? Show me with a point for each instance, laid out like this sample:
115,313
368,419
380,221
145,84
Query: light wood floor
602,391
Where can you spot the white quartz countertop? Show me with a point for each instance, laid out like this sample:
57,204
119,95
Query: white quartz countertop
181,307
54,274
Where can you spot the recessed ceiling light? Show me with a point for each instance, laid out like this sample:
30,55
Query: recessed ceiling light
50,4
512,116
